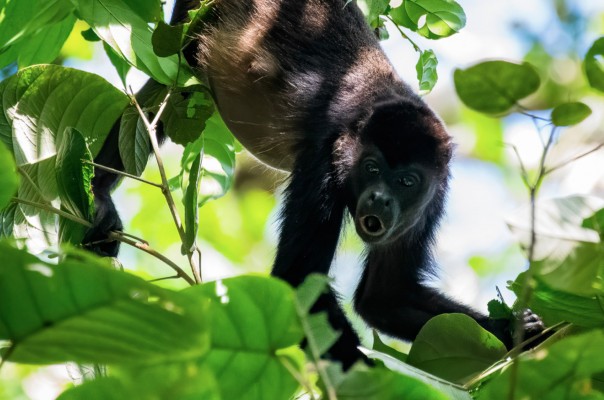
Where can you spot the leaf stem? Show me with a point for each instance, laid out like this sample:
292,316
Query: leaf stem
165,186
141,245
404,35
315,353
122,173
575,158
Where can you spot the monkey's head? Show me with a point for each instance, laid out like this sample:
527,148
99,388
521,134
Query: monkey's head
400,175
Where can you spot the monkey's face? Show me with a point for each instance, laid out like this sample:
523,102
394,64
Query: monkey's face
389,202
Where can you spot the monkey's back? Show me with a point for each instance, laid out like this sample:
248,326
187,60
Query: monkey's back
282,71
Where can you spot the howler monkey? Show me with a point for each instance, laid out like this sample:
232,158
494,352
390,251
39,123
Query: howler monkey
305,87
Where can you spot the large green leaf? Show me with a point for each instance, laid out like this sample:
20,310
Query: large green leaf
81,310
494,87
594,67
9,180
254,326
465,350
117,24
22,18
433,19
182,381
40,47
561,371
382,384
40,102
452,390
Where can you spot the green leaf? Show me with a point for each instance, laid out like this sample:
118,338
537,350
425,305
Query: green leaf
148,10
433,19
594,65
74,183
134,142
9,180
372,9
555,306
499,310
465,350
40,102
570,114
427,75
166,39
22,18
90,36
121,66
494,87
254,322
83,311
41,47
117,24
379,345
310,290
181,381
558,225
560,371
186,114
382,384
191,204
452,391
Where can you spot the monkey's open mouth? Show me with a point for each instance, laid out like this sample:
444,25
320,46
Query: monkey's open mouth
372,225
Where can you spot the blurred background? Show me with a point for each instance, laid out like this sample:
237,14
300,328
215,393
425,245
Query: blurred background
477,253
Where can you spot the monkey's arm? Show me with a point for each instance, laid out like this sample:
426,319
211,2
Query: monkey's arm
311,222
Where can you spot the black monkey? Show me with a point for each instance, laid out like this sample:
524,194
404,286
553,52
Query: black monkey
305,87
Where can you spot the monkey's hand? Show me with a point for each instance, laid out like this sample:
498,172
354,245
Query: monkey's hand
506,329
106,220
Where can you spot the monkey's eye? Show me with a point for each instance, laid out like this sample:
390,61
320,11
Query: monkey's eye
409,180
372,168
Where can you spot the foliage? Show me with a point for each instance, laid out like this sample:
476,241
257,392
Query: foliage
238,338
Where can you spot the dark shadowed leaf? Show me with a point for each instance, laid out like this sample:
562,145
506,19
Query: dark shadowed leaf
186,114
494,87
570,114
166,39
121,66
81,310
191,203
134,143
465,350
594,65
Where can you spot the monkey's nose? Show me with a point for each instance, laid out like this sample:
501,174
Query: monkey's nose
372,225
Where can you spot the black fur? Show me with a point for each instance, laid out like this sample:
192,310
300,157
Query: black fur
305,86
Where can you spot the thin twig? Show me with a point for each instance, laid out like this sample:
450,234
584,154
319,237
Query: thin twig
523,170
404,35
575,158
165,187
122,173
526,291
315,353
297,376
112,235
165,278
